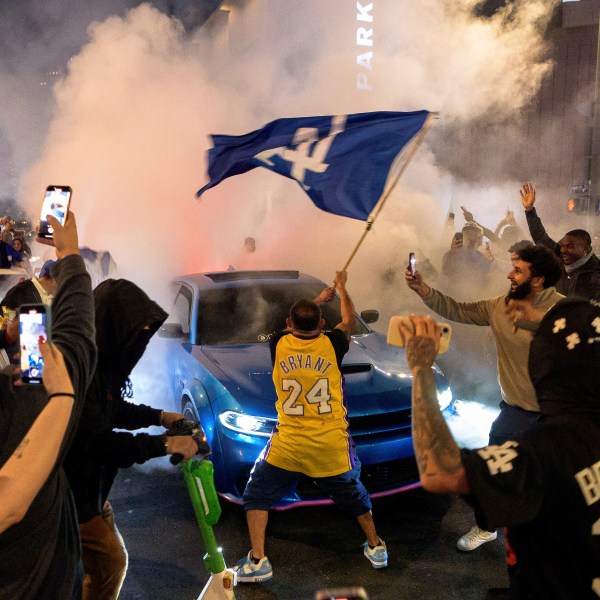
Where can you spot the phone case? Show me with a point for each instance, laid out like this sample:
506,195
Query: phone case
58,208
394,338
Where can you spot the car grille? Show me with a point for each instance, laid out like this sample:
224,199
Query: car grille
382,423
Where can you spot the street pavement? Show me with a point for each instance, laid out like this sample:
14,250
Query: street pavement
310,548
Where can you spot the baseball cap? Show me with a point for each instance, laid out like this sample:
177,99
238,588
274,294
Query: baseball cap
47,267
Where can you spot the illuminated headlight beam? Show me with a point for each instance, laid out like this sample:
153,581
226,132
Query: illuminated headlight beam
248,424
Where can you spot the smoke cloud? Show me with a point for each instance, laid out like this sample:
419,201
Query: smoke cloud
129,120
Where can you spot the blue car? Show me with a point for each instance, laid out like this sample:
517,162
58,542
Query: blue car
220,369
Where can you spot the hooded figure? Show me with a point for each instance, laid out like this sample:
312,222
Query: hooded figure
126,319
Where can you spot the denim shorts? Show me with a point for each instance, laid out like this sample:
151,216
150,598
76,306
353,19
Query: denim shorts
268,484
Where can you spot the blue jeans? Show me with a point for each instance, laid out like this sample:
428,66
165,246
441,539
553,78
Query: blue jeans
268,484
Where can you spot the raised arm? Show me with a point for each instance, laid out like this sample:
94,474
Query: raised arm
488,233
68,364
534,223
475,313
347,307
438,456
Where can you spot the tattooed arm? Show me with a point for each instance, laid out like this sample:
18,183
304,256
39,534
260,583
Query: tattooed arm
437,454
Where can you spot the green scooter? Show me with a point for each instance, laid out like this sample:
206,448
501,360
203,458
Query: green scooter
198,475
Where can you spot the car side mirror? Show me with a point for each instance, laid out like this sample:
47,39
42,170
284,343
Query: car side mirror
369,316
171,330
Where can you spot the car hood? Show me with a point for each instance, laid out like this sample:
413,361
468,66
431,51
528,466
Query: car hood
376,376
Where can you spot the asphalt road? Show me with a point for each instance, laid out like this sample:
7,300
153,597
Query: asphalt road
310,548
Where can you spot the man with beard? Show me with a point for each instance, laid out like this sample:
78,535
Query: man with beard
544,484
581,267
535,270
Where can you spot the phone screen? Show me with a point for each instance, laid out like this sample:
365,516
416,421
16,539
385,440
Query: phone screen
56,203
33,323
412,264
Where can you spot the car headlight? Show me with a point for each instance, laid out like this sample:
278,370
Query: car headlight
249,424
444,398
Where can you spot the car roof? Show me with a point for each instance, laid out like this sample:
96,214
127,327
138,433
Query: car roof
228,279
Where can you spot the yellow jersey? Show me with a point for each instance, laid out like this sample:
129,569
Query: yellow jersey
311,435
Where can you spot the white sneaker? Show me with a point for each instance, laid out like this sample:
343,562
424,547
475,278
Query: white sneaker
378,555
475,538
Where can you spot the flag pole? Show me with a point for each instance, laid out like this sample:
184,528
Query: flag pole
416,143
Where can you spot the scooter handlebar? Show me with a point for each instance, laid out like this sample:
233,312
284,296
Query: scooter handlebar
185,427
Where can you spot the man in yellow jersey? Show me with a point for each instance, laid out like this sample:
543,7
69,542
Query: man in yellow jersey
311,436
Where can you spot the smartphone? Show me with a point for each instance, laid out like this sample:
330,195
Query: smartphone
34,322
56,203
353,593
394,338
458,236
412,264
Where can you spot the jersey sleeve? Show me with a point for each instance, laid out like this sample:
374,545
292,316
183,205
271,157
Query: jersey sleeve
505,482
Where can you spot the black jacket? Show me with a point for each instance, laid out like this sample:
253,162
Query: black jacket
38,556
584,281
122,311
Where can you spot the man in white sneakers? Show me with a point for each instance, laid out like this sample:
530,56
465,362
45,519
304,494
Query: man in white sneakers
534,272
311,436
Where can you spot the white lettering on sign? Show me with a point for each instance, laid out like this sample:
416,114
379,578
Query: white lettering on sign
364,38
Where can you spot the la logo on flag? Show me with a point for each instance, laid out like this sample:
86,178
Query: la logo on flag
308,152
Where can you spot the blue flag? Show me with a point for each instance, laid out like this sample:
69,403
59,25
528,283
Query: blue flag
342,162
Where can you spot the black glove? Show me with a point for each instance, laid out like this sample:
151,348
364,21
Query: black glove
185,427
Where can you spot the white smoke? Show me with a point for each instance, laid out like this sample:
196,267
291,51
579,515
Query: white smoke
133,112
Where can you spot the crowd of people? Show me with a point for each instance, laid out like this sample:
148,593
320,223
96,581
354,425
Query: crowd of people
14,249
61,444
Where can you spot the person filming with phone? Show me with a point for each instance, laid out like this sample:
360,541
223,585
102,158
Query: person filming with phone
465,267
39,542
534,272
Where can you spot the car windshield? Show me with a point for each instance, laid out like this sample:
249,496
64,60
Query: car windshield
246,315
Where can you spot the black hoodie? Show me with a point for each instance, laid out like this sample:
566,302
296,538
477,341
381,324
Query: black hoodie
123,310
